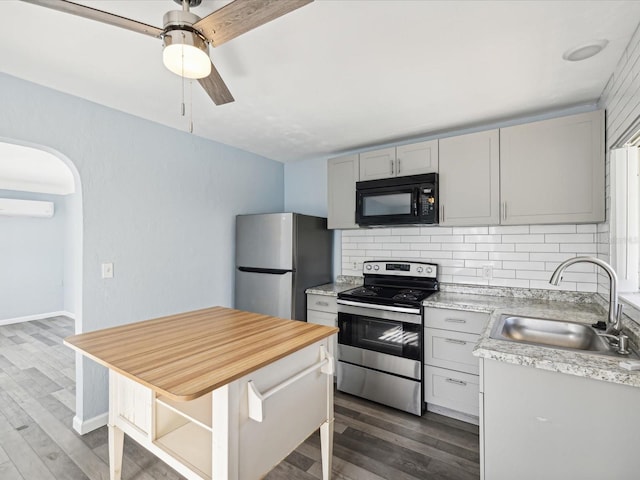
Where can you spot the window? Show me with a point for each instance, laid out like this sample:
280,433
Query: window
625,203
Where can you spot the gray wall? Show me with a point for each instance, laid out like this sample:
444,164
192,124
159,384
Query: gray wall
31,260
158,203
306,192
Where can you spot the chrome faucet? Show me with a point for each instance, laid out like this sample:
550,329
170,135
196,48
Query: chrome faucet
614,321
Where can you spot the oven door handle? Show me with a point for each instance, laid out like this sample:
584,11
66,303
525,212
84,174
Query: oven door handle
389,308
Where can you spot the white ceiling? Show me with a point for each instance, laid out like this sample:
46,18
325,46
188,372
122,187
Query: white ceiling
334,75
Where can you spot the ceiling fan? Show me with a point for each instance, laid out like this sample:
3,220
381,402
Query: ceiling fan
186,37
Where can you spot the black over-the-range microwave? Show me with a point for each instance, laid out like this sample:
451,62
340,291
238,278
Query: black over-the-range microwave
409,200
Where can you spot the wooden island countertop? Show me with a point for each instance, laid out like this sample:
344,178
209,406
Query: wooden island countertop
190,354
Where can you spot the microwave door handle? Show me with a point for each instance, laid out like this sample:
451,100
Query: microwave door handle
415,203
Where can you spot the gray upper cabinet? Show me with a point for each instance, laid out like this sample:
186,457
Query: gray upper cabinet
544,172
343,173
417,158
552,171
413,159
469,170
378,164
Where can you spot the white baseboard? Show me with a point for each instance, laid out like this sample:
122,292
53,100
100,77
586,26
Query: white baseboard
447,412
39,316
90,424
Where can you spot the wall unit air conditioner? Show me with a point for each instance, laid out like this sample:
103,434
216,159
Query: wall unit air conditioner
25,208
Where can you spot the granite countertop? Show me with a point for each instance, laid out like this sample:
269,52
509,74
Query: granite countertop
572,307
333,289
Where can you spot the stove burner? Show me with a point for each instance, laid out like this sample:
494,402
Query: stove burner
367,291
406,296
411,291
391,290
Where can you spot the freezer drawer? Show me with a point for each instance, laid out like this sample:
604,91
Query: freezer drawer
267,293
265,241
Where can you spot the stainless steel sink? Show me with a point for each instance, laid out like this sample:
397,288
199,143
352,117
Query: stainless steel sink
553,333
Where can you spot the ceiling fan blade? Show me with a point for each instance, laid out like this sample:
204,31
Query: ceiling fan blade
240,16
98,15
216,88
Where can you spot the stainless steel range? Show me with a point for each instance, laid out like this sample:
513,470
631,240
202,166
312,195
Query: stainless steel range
380,344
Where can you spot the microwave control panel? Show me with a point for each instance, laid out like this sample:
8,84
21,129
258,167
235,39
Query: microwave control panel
427,201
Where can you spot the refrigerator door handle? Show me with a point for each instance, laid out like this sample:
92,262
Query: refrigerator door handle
270,271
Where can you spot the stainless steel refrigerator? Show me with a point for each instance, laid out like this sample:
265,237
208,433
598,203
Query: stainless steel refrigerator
279,256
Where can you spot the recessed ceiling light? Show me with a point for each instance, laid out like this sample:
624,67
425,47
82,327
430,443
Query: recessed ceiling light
587,50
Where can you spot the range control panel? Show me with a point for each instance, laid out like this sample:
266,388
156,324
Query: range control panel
393,267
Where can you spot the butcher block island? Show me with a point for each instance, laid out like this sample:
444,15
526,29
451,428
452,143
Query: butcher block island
216,393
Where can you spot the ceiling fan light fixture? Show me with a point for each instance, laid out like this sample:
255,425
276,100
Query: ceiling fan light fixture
186,54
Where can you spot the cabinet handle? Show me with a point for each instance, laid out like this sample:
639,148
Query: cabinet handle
504,210
398,166
455,320
323,304
442,213
391,167
453,340
456,382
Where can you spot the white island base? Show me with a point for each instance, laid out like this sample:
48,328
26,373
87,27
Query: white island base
234,432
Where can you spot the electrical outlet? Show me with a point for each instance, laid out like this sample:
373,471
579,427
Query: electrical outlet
355,265
107,270
487,272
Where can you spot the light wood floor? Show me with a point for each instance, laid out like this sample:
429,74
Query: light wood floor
37,442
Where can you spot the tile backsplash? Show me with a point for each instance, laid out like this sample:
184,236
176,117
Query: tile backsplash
521,256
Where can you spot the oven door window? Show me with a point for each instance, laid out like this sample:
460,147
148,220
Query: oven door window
384,336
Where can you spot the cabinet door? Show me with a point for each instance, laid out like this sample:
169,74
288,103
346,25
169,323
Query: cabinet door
417,158
469,167
553,171
378,164
342,177
328,320
539,424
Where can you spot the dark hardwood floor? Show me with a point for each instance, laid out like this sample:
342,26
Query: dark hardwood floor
37,442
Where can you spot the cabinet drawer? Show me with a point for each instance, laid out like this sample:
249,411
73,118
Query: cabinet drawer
322,303
322,318
448,349
450,389
458,320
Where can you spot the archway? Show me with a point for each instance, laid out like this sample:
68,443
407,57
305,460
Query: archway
31,173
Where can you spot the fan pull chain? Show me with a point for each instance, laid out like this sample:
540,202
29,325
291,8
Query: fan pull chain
182,76
182,104
190,106
182,109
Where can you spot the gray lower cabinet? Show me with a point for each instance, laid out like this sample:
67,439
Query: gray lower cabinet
451,381
323,310
538,424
